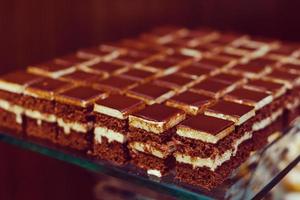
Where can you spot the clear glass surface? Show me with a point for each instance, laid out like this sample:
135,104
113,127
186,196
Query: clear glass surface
258,175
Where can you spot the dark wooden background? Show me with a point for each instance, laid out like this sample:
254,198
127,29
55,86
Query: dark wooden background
36,30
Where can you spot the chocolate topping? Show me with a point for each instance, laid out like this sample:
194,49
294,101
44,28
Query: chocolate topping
20,77
162,64
212,63
265,85
138,75
192,99
82,77
228,78
106,67
47,87
194,71
81,96
283,76
158,113
230,108
207,124
50,66
246,95
173,81
211,87
115,84
148,91
124,104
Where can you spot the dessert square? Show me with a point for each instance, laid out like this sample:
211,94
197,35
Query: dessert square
82,78
97,52
192,103
249,97
138,75
115,84
162,65
175,81
253,69
52,69
212,88
284,77
111,127
106,68
40,108
151,93
195,71
156,118
228,78
73,109
276,89
238,113
46,88
214,63
210,130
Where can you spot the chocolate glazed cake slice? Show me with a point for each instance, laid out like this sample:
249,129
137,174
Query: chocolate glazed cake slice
292,97
12,87
210,144
74,116
203,145
150,138
39,108
111,127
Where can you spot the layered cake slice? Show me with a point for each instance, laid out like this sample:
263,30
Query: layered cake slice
292,102
40,108
268,118
75,121
150,138
12,87
151,93
212,88
111,127
207,150
190,102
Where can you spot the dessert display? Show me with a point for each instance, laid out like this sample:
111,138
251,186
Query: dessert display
190,104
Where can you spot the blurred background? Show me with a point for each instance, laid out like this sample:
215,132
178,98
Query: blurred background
32,31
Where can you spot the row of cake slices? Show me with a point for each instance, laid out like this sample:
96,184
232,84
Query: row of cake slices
71,112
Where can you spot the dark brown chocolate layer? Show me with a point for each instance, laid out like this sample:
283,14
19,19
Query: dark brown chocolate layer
114,152
115,124
210,125
140,135
74,140
45,130
11,97
8,120
74,113
145,162
41,105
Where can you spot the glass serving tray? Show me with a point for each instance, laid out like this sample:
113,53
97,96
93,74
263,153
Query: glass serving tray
255,178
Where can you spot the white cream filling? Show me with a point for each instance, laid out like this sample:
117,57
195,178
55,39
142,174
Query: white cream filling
237,120
40,116
109,111
146,148
75,126
17,110
11,87
154,172
267,121
203,136
111,135
213,164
